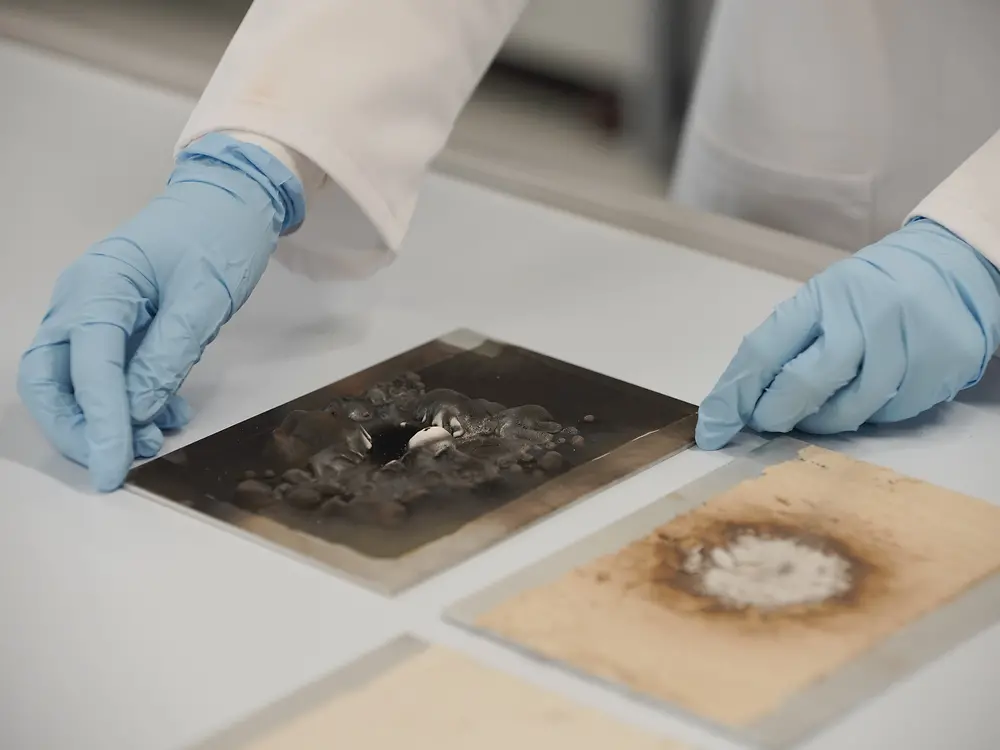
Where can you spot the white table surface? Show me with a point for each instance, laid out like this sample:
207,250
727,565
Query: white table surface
126,625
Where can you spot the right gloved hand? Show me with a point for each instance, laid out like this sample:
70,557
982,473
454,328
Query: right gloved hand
882,336
131,316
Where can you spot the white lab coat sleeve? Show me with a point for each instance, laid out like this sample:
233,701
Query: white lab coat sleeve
365,91
968,201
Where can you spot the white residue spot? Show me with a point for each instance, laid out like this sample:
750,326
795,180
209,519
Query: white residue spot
768,573
454,426
427,436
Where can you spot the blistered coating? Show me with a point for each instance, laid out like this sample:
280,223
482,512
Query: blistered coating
369,458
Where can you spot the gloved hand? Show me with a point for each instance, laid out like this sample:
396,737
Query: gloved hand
881,336
131,316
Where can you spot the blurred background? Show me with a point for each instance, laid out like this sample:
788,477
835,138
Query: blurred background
584,90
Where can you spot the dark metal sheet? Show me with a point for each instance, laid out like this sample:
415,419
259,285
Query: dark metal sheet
627,428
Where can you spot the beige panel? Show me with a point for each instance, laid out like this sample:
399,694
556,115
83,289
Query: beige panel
638,618
443,700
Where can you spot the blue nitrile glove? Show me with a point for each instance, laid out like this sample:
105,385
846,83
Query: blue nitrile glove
132,315
881,336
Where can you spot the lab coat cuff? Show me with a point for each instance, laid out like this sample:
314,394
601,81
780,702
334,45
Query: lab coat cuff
966,202
310,175
982,235
975,230
390,224
259,165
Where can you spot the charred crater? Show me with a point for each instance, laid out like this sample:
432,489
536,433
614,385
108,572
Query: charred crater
370,458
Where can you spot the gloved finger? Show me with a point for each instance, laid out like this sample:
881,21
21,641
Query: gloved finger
174,343
174,416
882,369
45,387
809,380
790,329
97,368
940,376
148,440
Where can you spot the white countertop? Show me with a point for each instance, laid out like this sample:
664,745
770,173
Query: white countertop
124,624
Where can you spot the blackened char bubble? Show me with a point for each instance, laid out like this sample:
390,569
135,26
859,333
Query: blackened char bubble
370,458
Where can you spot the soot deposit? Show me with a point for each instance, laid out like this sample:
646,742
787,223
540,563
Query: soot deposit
370,458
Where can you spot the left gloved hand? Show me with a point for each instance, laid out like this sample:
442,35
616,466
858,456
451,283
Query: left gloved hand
881,336
132,315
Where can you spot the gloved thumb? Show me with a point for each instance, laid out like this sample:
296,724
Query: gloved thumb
788,331
194,310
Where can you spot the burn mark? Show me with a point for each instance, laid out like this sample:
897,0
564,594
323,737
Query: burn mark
667,580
